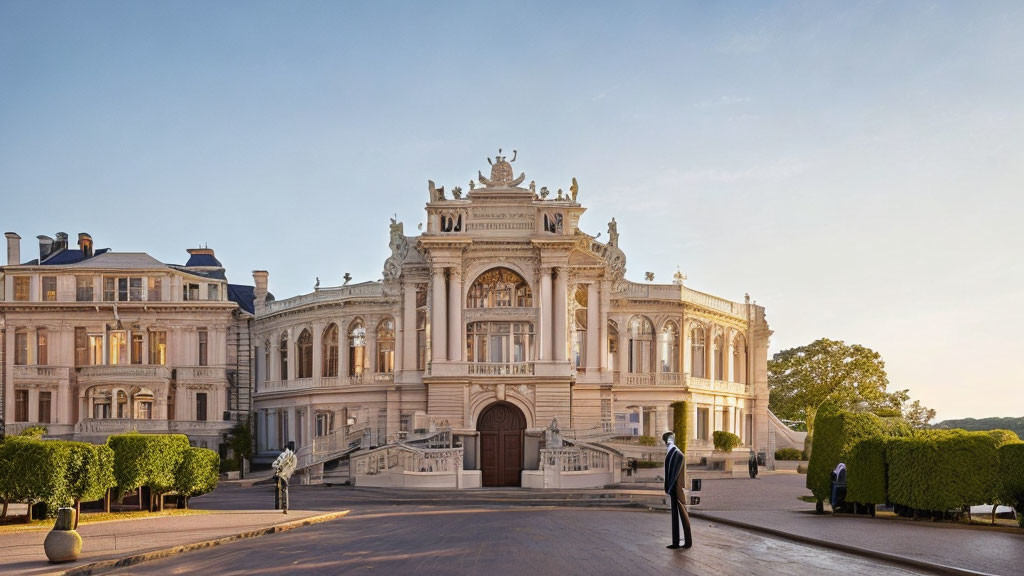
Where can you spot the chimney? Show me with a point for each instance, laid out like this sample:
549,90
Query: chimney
260,278
85,244
13,249
45,247
61,242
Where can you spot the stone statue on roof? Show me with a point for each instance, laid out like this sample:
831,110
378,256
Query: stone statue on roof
502,175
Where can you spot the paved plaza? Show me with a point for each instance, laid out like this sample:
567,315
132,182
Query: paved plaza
511,540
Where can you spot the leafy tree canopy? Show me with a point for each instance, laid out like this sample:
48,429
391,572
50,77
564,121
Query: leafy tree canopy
851,377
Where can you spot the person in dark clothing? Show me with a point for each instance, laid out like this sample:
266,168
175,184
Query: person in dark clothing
675,480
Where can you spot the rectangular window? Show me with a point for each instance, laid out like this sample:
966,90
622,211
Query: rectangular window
109,289
136,347
155,289
21,405
158,348
212,292
145,410
49,288
405,423
702,423
201,406
135,289
81,346
203,335
117,348
44,407
41,347
21,348
122,289
21,288
83,289
95,349
190,292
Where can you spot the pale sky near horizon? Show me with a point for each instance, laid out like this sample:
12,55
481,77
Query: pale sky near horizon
855,166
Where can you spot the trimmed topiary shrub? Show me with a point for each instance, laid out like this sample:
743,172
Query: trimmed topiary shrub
1011,477
149,460
90,473
35,471
647,441
198,473
835,434
725,441
1003,436
680,423
940,470
866,472
788,454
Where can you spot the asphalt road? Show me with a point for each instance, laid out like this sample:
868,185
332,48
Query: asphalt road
495,540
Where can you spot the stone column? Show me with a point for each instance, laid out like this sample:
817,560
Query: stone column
370,349
293,357
559,341
593,327
455,346
545,331
727,371
438,318
290,434
344,348
399,342
602,318
318,352
408,359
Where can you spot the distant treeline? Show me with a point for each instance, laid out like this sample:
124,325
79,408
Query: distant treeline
1015,424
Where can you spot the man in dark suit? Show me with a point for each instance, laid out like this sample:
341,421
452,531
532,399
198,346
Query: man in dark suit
675,480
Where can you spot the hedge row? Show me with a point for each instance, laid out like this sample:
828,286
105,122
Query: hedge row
1011,473
835,434
62,473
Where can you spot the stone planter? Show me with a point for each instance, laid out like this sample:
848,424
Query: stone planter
63,543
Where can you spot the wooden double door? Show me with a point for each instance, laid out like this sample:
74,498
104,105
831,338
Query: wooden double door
501,428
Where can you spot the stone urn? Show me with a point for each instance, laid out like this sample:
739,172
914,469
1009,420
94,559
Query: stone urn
63,544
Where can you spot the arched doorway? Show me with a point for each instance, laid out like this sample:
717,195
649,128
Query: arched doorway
501,426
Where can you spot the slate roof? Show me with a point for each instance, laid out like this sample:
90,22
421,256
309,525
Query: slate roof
125,260
244,296
203,260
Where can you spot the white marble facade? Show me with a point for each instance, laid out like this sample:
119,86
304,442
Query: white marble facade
504,299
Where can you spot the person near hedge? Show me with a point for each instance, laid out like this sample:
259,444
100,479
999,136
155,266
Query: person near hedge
675,482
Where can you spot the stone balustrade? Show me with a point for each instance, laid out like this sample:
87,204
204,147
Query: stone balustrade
377,378
341,293
123,372
47,373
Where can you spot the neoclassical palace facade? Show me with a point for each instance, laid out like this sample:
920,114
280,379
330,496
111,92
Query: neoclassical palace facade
500,332
95,342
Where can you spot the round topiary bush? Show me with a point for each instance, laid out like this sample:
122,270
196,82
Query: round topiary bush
725,441
788,454
198,473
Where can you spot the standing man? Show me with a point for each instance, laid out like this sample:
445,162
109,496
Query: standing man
675,482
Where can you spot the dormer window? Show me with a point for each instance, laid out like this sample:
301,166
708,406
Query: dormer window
213,292
190,292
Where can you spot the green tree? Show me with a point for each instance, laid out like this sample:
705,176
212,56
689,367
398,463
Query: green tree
240,440
801,379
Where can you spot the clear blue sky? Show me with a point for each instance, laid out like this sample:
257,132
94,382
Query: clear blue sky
856,167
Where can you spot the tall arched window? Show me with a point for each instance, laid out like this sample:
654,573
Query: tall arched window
739,359
670,347
613,346
719,357
304,347
386,345
329,352
697,342
356,348
580,340
641,345
499,288
282,349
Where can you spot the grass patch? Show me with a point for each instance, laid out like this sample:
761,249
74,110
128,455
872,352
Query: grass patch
810,499
93,517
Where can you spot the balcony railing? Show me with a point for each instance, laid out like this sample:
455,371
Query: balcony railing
116,425
380,378
124,372
679,379
716,385
49,373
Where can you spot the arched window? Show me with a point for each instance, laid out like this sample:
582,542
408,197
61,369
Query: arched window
613,346
282,348
670,347
719,357
499,288
697,352
356,348
386,345
304,346
739,359
329,351
641,345
580,341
